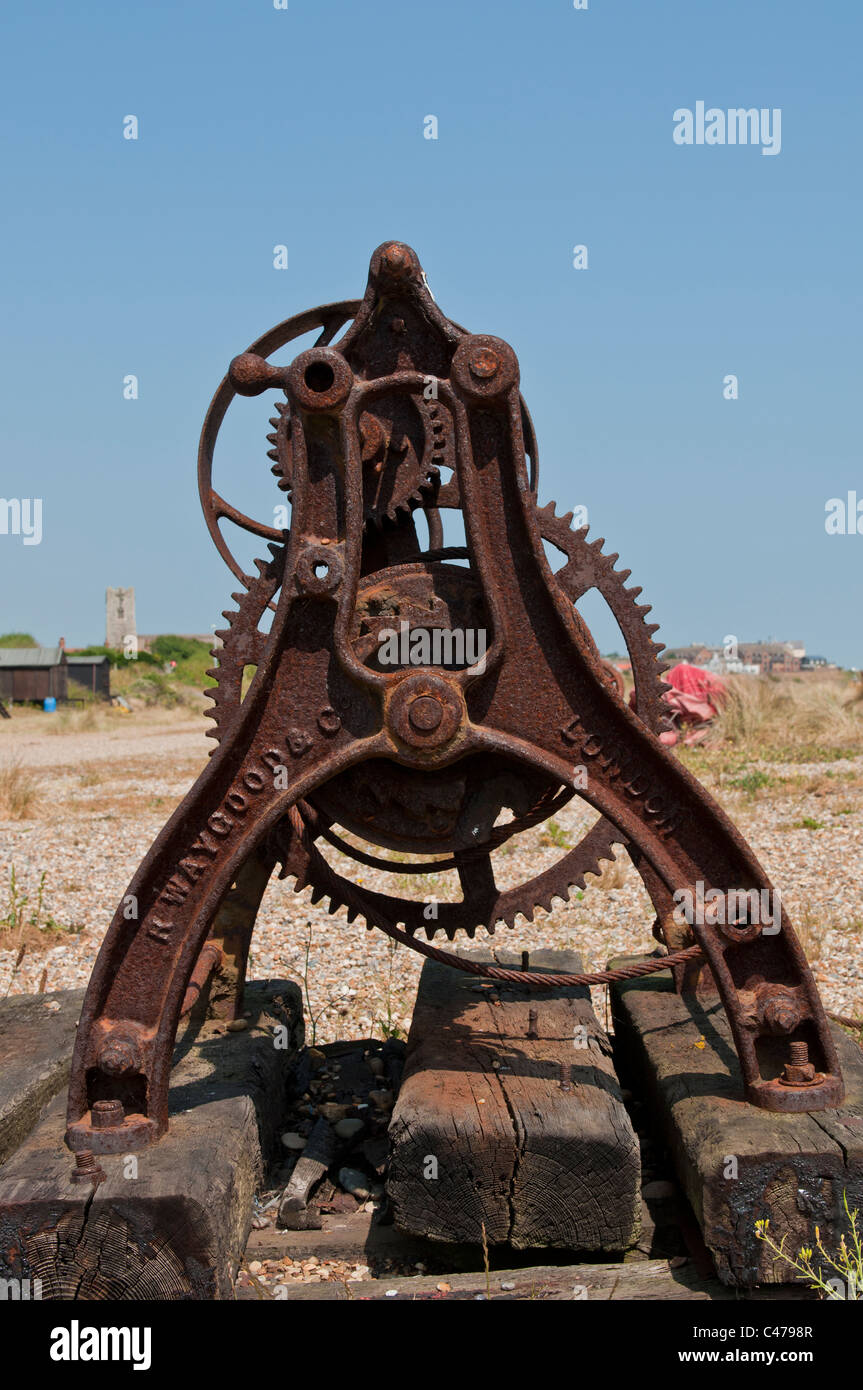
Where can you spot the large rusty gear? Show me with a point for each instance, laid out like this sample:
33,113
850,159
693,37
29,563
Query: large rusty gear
587,567
423,753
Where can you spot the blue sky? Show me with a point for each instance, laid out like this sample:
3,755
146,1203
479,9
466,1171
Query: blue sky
305,127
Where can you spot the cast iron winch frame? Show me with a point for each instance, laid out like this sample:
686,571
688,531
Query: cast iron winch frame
414,756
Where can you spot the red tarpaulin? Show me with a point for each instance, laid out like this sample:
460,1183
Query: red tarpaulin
695,698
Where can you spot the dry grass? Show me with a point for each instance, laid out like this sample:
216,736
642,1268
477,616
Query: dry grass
761,713
808,923
20,789
613,874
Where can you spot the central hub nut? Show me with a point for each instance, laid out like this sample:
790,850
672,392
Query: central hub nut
426,711
425,714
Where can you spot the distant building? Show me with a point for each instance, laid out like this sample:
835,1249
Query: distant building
751,658
119,618
33,673
722,665
696,654
773,657
90,673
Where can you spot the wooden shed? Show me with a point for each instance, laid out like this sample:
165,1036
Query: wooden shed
32,673
92,673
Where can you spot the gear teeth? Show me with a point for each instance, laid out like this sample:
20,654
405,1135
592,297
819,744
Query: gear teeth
634,591
274,455
622,575
224,633
214,673
325,885
652,627
272,438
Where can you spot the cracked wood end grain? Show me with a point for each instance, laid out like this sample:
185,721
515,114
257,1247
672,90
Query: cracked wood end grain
484,1134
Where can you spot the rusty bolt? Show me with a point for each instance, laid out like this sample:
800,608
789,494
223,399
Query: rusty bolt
328,721
86,1168
525,960
119,1055
484,367
484,364
798,1071
565,1076
779,1013
107,1114
425,713
531,1024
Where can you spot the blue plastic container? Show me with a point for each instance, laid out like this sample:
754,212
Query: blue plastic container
49,704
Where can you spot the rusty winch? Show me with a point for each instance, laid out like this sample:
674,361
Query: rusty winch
426,699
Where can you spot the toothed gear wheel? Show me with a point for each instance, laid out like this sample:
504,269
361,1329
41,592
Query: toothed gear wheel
242,642
402,446
588,568
483,903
